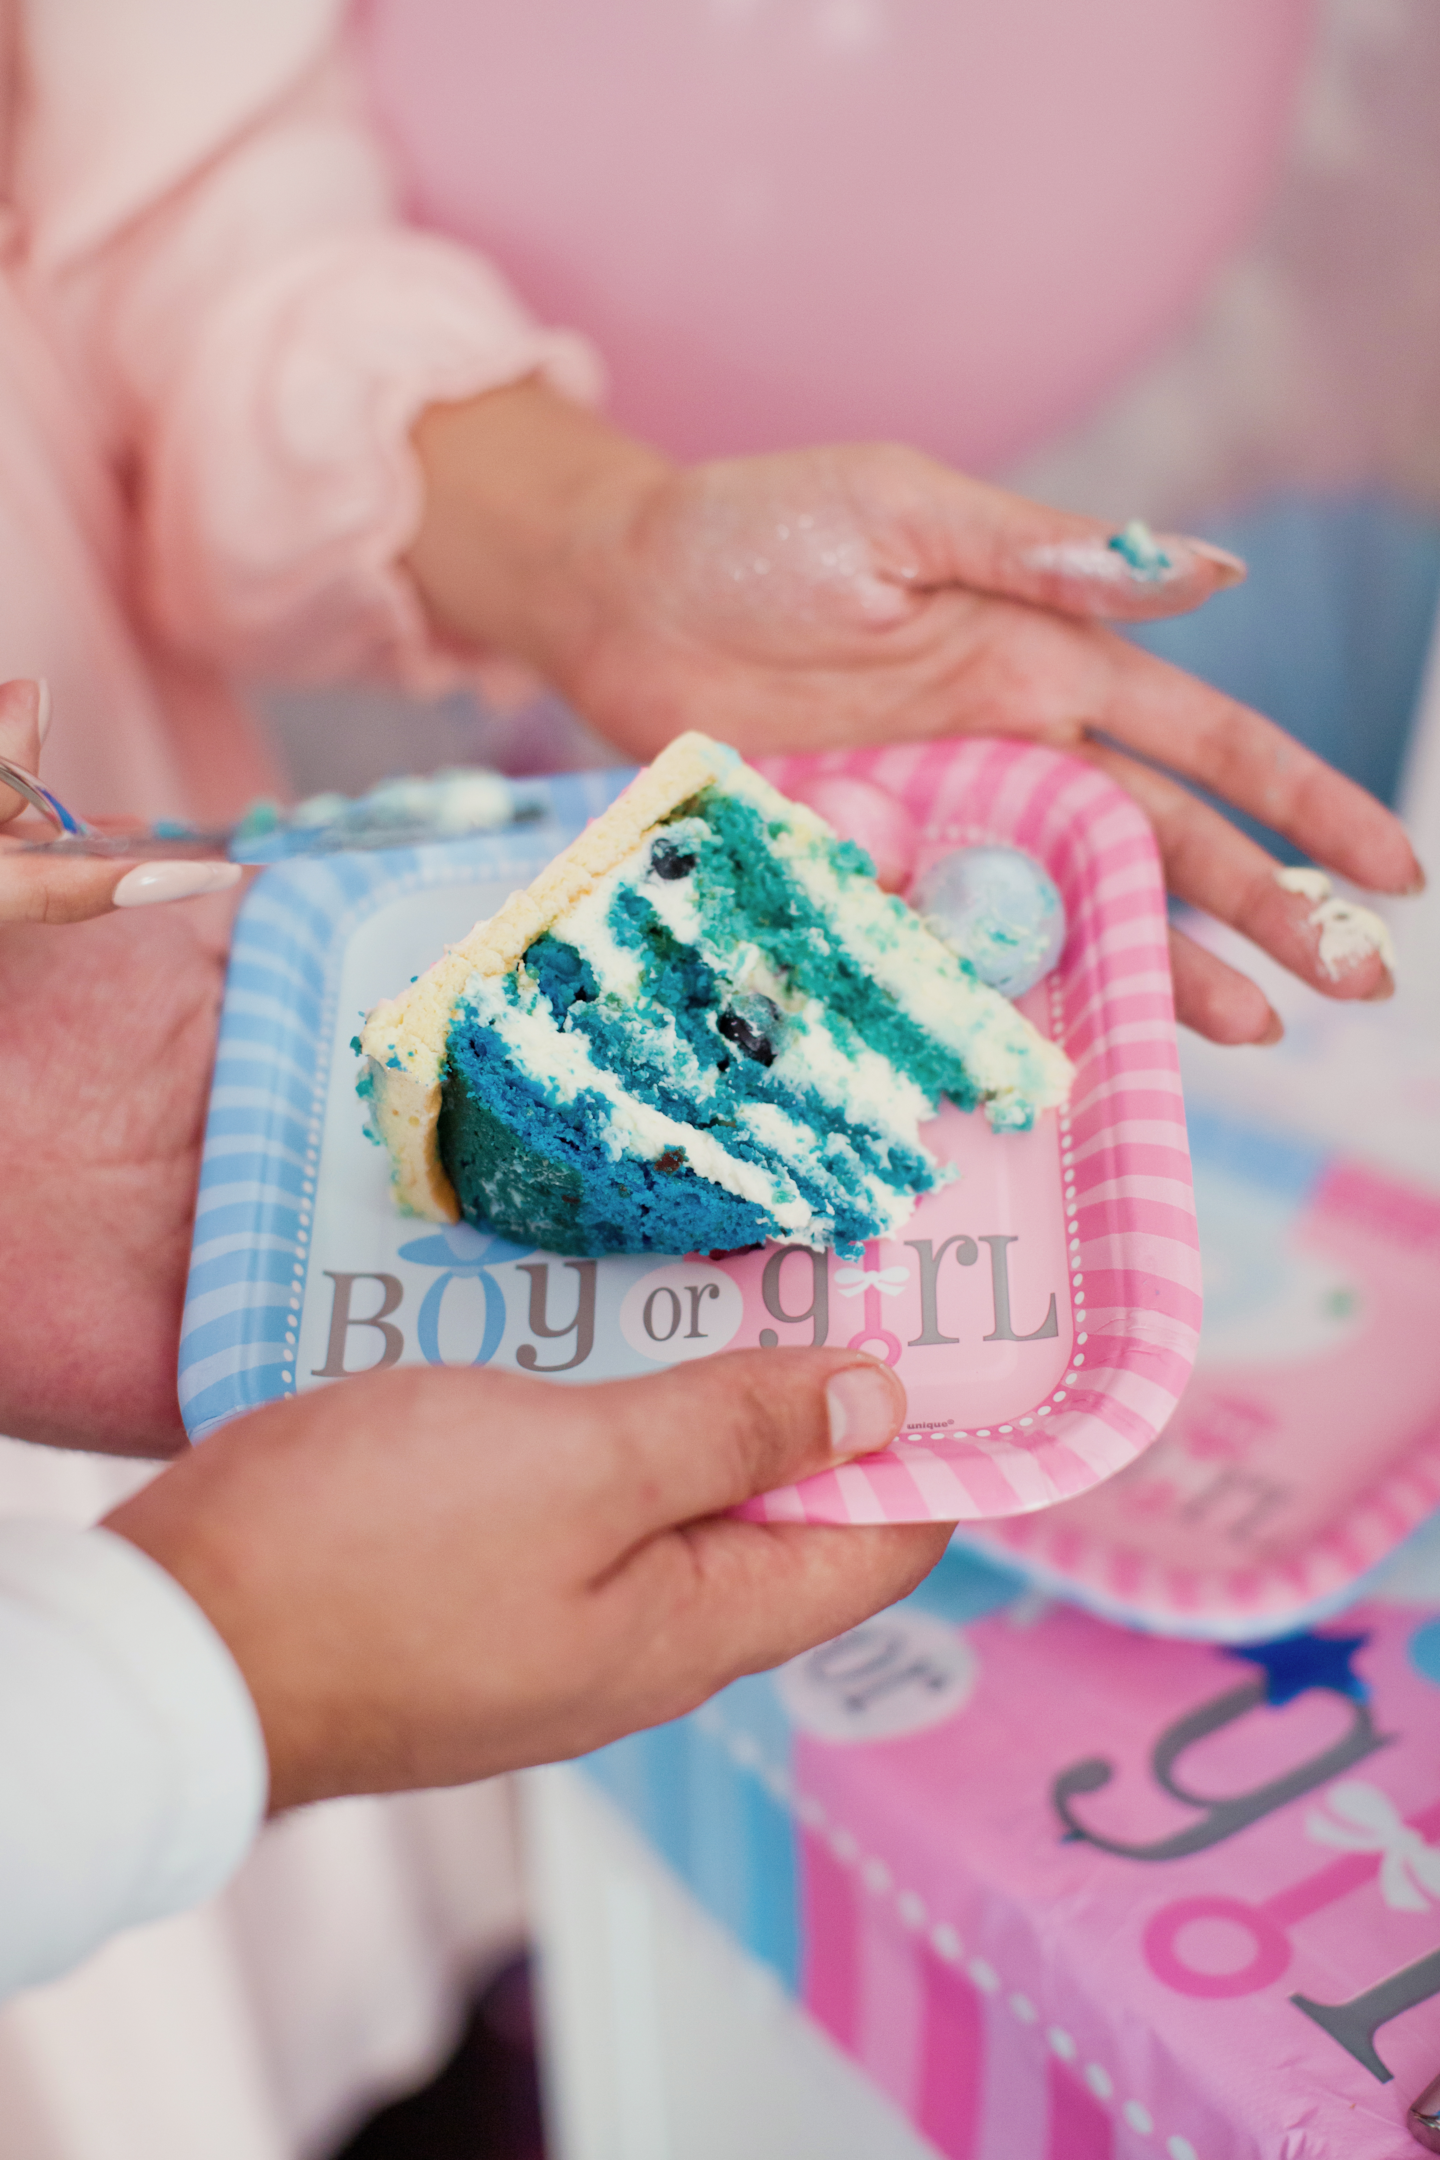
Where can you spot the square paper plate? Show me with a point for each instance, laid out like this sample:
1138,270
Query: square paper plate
1042,1310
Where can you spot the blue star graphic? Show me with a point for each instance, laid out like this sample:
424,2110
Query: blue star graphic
1293,1663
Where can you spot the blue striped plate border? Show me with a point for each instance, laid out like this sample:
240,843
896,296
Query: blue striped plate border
262,1157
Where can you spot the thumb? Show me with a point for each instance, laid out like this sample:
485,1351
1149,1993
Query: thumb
1006,545
708,1436
24,720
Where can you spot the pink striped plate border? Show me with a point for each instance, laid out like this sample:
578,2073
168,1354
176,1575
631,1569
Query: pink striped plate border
1125,1161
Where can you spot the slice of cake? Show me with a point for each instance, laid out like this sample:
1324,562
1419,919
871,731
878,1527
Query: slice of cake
704,1025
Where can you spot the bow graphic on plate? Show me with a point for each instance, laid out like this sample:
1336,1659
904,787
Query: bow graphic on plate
462,1253
889,1281
1409,1867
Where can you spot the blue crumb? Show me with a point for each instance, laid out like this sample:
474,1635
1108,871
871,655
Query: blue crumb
365,1090
262,817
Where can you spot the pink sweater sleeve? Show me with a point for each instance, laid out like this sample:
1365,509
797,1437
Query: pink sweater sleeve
260,344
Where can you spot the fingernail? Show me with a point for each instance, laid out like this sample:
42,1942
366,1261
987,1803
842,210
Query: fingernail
1416,886
151,882
863,1408
1274,1032
1154,558
1383,989
42,707
1233,568
1135,561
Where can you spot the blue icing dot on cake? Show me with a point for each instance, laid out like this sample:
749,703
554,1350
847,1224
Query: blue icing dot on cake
703,1026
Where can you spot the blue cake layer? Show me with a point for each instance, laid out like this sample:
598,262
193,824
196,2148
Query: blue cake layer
541,1173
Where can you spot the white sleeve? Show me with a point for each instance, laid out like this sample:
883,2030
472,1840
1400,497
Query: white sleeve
133,1774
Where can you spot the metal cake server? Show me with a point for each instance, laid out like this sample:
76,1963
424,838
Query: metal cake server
40,798
242,842
77,836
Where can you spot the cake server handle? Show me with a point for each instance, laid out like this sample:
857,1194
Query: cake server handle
222,843
40,798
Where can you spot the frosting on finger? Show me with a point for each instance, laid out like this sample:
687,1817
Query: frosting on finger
1349,933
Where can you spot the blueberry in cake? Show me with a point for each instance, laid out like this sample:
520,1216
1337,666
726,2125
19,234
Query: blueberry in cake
702,1026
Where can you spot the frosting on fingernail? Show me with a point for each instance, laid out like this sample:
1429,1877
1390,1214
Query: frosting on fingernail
1126,559
151,883
1349,933
1137,547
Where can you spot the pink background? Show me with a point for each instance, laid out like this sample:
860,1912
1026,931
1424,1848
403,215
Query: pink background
951,221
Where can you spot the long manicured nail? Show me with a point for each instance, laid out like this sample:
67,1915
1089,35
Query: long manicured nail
150,883
1274,1032
1135,563
1416,885
1153,560
864,1406
1383,989
1233,569
41,717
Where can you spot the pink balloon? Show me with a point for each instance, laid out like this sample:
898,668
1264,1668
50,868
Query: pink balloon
954,222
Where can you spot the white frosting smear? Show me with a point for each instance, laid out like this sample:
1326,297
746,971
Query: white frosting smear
1348,933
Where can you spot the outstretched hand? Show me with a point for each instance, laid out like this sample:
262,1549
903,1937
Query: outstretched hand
821,598
428,1576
